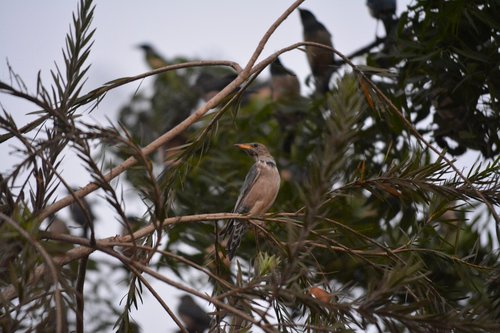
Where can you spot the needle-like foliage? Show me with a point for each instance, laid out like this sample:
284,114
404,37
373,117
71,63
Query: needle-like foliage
374,226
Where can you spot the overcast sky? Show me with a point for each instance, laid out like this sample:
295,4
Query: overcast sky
32,35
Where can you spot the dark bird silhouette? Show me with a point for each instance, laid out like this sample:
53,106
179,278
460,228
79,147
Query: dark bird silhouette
384,10
285,87
170,78
320,60
193,316
152,57
257,194
207,85
82,214
172,102
57,226
284,83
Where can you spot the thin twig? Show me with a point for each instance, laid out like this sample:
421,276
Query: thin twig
181,127
137,272
80,301
413,130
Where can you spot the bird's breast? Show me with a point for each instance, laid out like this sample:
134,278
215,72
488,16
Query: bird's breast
265,190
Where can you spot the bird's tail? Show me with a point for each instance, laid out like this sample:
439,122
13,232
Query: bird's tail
236,234
323,82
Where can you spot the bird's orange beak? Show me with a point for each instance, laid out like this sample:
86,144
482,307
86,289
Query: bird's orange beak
243,146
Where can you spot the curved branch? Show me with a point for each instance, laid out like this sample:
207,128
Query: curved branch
182,126
86,248
96,93
407,123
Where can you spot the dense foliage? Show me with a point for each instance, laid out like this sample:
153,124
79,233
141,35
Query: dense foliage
373,225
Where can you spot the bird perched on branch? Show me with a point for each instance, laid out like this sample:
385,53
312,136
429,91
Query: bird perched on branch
289,110
56,225
153,58
156,61
82,214
284,83
208,85
384,10
320,60
257,194
193,316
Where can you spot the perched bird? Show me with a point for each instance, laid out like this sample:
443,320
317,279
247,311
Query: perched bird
284,83
257,194
384,10
56,225
289,109
82,214
207,85
320,60
193,316
172,101
152,57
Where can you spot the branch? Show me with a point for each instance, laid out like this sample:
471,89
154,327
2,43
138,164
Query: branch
96,93
268,34
86,248
413,130
182,126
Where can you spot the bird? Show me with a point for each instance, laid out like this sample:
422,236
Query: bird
320,60
82,214
257,194
285,85
57,226
208,85
152,57
289,111
384,10
193,316
170,78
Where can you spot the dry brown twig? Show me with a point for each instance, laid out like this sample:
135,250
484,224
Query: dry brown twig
243,75
105,245
86,249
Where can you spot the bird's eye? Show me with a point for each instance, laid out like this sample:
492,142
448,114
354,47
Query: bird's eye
254,145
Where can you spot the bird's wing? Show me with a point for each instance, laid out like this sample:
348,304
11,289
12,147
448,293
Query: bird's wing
193,313
239,208
250,180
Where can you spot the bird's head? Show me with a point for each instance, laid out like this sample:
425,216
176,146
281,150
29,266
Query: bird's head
276,66
146,47
254,149
187,299
306,16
